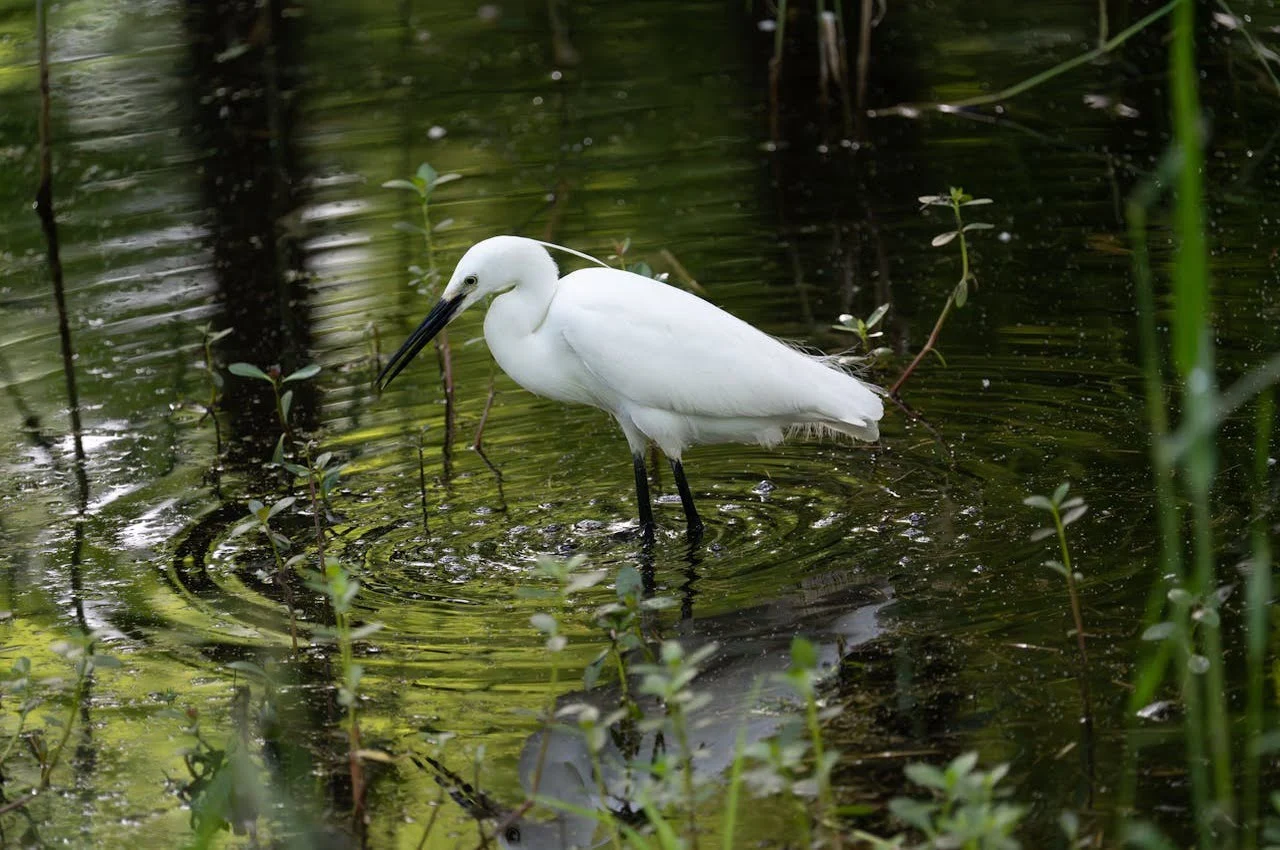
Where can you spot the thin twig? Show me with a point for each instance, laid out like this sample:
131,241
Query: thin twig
910,109
44,209
14,805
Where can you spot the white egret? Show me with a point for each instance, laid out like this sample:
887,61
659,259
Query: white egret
671,368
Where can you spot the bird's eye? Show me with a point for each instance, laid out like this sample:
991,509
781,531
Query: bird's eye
470,281
513,832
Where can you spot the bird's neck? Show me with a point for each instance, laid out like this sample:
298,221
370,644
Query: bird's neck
522,309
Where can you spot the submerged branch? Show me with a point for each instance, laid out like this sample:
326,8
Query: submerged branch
48,222
911,109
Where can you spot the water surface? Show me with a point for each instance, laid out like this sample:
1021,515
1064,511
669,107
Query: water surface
203,179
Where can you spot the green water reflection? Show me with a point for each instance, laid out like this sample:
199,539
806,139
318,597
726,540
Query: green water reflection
204,179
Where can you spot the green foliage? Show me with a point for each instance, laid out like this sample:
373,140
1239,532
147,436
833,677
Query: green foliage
283,397
423,184
1064,511
46,743
865,329
956,199
964,809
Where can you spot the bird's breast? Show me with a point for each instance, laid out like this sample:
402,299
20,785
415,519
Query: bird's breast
542,363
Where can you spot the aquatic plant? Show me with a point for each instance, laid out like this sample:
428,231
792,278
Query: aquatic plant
423,184
796,763
1064,512
955,199
283,397
259,519
965,809
1185,621
955,107
568,578
670,679
47,742
865,329
208,338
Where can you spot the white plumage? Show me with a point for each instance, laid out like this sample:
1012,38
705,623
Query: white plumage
670,367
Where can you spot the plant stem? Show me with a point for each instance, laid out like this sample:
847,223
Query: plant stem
1193,357
48,222
928,346
678,722
82,680
444,354
1035,80
825,799
965,276
1257,601
422,478
1167,514
1075,613
283,584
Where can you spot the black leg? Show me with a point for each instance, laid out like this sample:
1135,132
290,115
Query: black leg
642,497
686,499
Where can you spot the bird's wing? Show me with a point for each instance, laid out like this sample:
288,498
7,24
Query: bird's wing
661,347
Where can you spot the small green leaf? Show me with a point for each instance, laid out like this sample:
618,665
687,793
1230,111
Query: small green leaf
962,292
943,238
1057,567
446,178
977,225
975,202
1198,664
286,402
1208,617
427,175
220,335
544,623
1061,492
304,373
628,582
803,654
402,184
281,505
926,775
1040,502
248,370
877,315
962,765
1159,631
406,227
277,455
591,675
1074,514
913,813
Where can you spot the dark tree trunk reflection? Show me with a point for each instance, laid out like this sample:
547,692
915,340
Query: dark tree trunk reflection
244,78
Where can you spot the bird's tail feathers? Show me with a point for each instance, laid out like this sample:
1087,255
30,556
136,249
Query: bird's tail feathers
867,431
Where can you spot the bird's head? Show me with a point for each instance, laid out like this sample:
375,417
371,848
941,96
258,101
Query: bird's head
489,267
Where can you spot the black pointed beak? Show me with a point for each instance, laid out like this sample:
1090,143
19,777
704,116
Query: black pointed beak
435,321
